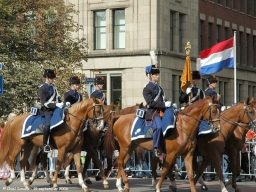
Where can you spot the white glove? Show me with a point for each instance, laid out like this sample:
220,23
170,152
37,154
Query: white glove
188,90
223,108
168,104
68,104
60,105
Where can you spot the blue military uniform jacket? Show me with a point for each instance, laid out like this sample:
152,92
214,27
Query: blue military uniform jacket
49,97
154,103
210,92
196,92
98,94
72,96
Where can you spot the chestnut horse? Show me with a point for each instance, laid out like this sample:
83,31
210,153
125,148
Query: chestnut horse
181,142
68,137
91,142
212,146
234,145
91,147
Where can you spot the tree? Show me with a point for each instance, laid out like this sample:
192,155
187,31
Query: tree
36,35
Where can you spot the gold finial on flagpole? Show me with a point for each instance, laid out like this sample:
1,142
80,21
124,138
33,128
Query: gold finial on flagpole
188,48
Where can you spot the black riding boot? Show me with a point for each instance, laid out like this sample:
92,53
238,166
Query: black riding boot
47,148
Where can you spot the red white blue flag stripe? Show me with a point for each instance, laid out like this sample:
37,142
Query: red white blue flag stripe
218,57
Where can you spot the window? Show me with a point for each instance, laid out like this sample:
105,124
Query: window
116,88
173,87
250,91
239,92
233,4
218,34
240,47
172,26
219,2
226,3
201,35
247,48
254,90
209,34
242,6
225,99
181,33
119,29
254,51
248,6
99,30
254,8
226,33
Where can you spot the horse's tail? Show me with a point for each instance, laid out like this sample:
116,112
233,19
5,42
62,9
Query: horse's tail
109,140
6,143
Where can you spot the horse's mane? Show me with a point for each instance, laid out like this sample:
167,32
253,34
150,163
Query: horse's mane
80,105
198,103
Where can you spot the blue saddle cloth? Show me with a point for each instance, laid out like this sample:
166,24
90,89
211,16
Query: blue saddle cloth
32,122
204,128
143,129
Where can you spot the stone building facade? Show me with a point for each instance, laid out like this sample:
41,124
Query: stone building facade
121,33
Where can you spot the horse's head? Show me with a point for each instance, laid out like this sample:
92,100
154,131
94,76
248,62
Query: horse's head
96,113
211,112
250,111
243,112
109,110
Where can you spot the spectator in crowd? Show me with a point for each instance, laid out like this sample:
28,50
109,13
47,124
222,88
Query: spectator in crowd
4,169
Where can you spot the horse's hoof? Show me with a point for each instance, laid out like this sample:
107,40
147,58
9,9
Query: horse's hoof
7,183
127,189
88,181
106,186
85,189
204,187
174,189
51,185
30,182
238,190
97,178
28,187
68,181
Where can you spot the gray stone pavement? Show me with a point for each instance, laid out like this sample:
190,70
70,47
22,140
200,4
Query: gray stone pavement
137,185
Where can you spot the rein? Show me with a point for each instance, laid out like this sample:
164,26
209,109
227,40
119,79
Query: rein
210,121
86,120
251,122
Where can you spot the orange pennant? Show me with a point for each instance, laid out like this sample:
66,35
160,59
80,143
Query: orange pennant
186,78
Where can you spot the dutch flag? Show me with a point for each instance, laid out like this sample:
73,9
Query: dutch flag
217,57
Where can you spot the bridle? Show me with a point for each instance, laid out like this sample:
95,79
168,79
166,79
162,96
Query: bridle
95,119
251,123
210,120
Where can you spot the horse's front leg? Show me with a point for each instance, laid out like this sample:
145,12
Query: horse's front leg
195,164
67,165
169,160
77,160
172,182
215,157
188,159
99,165
86,165
236,168
155,160
60,159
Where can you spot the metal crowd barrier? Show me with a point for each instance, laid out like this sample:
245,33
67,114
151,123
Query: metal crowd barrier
132,166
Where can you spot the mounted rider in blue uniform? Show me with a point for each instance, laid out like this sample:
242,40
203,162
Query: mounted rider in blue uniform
72,96
156,105
50,100
99,83
197,93
211,83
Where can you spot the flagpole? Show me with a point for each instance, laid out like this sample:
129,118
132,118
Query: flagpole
234,66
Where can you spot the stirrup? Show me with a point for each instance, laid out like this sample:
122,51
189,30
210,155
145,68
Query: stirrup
47,149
